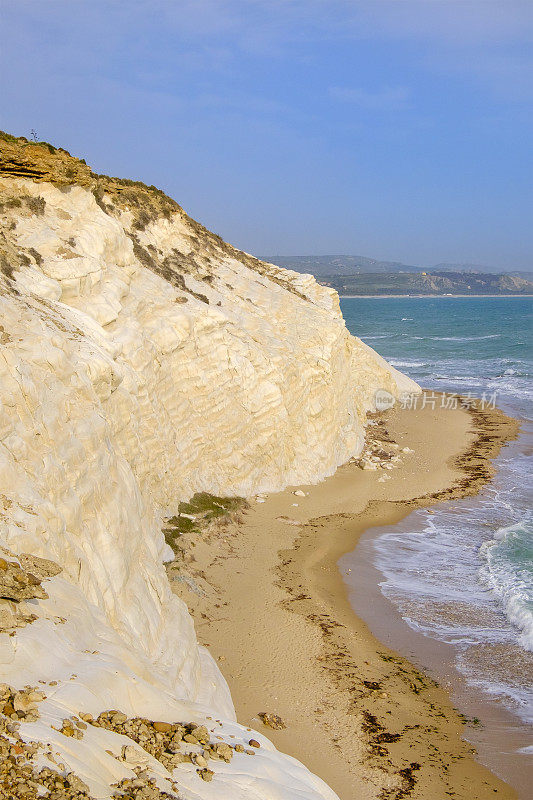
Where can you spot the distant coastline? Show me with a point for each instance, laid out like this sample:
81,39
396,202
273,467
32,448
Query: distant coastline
426,296
358,276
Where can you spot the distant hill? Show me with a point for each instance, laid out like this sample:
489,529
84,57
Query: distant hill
464,267
350,265
339,265
427,283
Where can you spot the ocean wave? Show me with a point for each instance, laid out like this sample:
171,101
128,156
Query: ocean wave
475,380
464,338
406,364
514,373
510,387
517,699
509,573
431,569
376,336
431,563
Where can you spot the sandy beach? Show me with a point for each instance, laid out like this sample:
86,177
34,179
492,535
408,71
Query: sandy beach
269,601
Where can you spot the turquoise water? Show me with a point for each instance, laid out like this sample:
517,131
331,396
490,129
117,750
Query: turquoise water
464,574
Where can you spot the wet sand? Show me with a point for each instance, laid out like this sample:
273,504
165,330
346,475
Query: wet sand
497,734
270,603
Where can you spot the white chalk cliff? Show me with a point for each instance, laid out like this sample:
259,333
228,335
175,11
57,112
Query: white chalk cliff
142,359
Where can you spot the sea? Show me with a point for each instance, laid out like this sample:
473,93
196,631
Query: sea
463,575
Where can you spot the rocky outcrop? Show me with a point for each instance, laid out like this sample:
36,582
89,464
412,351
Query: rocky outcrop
142,360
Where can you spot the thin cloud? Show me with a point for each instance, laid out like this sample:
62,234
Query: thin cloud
450,21
471,37
389,99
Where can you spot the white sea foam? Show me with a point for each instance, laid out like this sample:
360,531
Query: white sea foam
518,699
408,364
431,563
510,576
464,338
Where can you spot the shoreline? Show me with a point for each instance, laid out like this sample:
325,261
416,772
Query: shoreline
426,296
489,724
269,601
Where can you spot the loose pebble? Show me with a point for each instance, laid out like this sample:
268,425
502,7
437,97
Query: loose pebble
271,720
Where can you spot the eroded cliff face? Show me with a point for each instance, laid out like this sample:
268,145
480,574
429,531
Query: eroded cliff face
143,359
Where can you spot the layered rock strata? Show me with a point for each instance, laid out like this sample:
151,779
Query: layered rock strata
142,360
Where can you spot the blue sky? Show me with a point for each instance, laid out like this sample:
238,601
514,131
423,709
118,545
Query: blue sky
398,129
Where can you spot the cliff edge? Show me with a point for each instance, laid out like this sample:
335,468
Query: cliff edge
143,359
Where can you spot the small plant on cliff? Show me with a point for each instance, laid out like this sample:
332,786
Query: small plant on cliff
35,204
210,506
201,509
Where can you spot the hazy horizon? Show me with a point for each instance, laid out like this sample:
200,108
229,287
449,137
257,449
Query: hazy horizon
399,130
490,267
